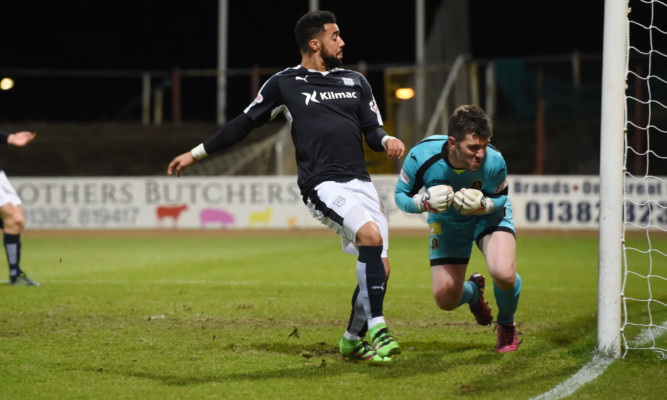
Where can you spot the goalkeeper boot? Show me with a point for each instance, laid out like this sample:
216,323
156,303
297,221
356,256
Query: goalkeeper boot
481,309
360,350
22,280
383,343
507,339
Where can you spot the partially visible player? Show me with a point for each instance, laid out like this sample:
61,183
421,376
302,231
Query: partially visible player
11,213
331,111
466,196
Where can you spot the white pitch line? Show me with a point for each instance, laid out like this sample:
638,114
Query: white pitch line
587,373
590,371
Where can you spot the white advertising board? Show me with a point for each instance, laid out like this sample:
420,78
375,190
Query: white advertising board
538,202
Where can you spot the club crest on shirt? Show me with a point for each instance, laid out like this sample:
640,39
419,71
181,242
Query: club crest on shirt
477,185
348,81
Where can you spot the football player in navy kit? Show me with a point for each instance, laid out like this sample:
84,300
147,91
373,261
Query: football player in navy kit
330,111
466,197
11,214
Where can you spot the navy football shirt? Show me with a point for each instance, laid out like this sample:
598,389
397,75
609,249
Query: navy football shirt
328,112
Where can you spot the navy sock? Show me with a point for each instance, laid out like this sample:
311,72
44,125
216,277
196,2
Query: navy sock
13,250
372,278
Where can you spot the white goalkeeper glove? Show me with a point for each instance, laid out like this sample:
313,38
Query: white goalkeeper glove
472,202
435,199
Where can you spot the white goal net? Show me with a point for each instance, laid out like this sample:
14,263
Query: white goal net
644,233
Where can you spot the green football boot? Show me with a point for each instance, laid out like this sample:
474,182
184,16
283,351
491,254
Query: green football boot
383,343
360,350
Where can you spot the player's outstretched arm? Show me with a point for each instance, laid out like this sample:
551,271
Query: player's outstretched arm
179,163
21,139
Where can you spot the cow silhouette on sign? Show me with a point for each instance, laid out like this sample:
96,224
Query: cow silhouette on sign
172,212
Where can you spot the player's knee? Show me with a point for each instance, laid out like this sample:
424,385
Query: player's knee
14,223
444,300
505,279
369,235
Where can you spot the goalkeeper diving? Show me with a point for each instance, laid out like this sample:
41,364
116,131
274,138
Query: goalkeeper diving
465,193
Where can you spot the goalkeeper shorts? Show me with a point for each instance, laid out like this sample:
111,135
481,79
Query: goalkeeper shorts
451,237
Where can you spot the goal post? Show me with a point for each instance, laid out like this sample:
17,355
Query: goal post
612,127
632,260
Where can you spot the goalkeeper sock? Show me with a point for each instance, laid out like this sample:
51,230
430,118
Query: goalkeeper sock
372,279
470,292
507,301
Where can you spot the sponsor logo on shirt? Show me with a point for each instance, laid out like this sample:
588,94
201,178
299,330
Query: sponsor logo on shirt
310,97
302,78
317,96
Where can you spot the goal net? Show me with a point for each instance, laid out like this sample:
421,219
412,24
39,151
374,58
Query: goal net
644,224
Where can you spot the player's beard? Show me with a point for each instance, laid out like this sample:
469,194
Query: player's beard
331,61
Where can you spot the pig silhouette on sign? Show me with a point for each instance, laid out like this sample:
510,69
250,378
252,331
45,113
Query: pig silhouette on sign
215,216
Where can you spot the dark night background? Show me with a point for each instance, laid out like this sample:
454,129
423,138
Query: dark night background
160,35
77,67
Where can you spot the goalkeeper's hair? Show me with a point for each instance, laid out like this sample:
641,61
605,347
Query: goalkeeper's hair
469,119
310,25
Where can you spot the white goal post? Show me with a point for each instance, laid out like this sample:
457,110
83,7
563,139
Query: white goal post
632,277
611,176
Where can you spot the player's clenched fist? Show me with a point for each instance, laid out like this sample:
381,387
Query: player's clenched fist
472,202
435,199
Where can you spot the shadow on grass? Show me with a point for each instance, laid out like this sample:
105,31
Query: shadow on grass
551,352
315,360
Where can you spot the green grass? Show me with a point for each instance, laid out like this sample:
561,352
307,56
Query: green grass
204,315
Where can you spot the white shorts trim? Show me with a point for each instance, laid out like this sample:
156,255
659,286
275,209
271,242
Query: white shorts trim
345,207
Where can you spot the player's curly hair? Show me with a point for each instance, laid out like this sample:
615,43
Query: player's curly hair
469,119
310,25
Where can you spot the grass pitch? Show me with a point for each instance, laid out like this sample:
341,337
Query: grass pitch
236,315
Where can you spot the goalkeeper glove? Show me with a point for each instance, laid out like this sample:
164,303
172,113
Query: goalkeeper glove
472,202
435,199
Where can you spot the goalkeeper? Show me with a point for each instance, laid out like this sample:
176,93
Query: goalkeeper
465,194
